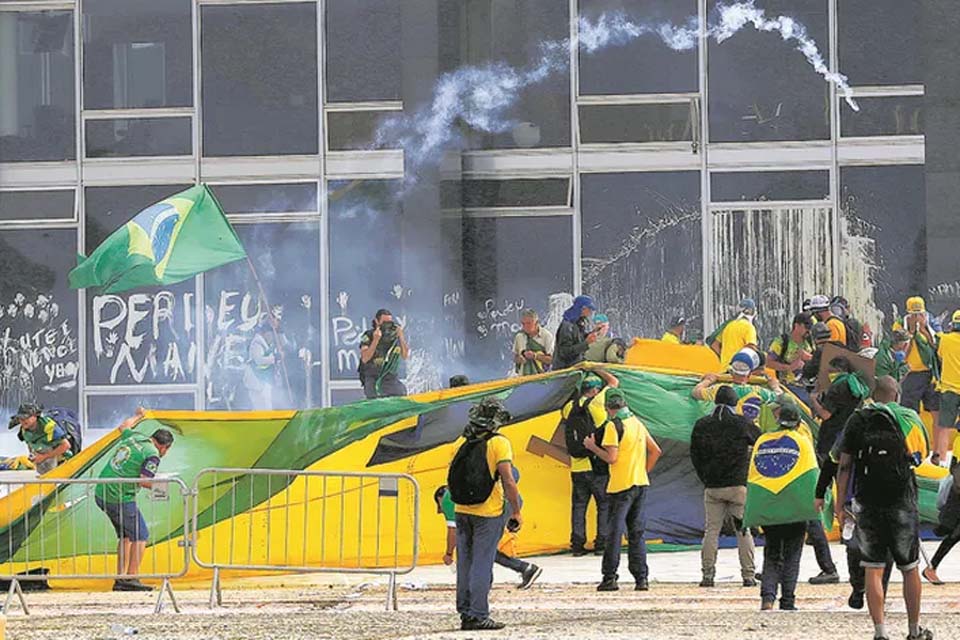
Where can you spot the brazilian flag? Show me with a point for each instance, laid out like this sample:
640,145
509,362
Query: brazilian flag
782,479
168,242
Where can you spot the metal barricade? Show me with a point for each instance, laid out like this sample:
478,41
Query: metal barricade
59,529
305,522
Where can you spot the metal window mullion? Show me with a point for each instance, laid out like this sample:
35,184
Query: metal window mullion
200,326
574,15
136,114
81,212
886,91
706,222
635,99
835,216
362,107
323,211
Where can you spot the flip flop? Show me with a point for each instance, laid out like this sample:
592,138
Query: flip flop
929,579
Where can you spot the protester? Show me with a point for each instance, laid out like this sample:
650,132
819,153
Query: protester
920,384
744,363
885,510
675,332
789,352
459,380
47,442
780,489
948,527
820,307
263,375
527,571
381,350
949,352
601,323
135,457
631,452
891,357
572,338
820,333
720,446
532,345
855,334
735,334
479,479
583,416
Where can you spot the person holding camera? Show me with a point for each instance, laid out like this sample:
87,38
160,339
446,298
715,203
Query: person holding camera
920,385
573,339
381,350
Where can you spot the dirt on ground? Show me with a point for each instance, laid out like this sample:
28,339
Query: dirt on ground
546,612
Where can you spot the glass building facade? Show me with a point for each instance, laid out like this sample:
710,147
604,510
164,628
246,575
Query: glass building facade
661,182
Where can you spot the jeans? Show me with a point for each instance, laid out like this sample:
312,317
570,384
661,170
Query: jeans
821,547
587,484
888,532
626,516
717,505
781,562
514,564
477,539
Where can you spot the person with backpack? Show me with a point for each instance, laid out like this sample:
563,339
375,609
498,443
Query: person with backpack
47,441
820,308
479,479
720,446
532,345
631,452
788,354
582,416
735,334
573,339
920,384
855,334
874,451
381,350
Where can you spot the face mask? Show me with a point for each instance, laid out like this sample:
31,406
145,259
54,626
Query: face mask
899,356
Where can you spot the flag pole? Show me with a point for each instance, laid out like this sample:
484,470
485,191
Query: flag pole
276,336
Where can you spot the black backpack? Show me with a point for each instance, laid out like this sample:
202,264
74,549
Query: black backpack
577,426
884,467
600,467
468,479
70,423
854,333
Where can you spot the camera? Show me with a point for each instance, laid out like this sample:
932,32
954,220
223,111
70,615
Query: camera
388,331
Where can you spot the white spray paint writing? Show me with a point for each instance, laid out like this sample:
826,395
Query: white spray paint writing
499,320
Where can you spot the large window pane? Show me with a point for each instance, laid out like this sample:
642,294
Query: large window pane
545,192
259,79
880,41
778,256
672,122
641,249
137,53
365,233
140,336
363,50
512,33
139,137
37,107
883,239
762,88
644,65
889,116
245,368
753,186
267,198
38,320
107,411
37,205
509,264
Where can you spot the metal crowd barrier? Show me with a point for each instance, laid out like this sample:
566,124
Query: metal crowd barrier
53,529
305,522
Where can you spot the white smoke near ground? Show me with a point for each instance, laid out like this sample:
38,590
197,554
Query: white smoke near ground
480,96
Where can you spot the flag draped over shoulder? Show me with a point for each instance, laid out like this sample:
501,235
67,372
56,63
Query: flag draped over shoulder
782,479
167,242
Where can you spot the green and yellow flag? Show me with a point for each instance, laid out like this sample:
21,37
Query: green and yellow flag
167,242
782,479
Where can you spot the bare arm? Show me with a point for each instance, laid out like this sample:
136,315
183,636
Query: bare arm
367,352
699,391
653,453
56,452
716,346
451,545
608,454
132,421
608,378
510,489
404,347
843,480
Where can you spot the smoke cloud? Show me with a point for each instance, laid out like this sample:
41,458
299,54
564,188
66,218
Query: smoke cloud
480,96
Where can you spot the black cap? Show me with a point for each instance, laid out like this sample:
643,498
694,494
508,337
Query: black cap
676,321
789,416
26,410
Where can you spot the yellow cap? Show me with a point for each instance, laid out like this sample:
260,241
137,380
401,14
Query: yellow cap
916,305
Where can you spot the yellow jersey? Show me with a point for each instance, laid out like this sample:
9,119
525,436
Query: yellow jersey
838,330
498,450
670,337
630,469
735,336
949,352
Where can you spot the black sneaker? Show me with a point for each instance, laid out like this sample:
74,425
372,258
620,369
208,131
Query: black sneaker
855,601
642,585
529,576
923,634
825,578
788,607
706,583
130,585
749,582
608,584
487,624
579,552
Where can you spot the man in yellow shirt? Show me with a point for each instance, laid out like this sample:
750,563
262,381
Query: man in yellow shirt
949,352
631,452
674,335
737,334
919,386
485,455
820,307
588,479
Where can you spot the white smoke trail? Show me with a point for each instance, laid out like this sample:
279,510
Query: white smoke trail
480,96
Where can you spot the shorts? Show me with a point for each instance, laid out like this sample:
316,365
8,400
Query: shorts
888,532
949,410
126,519
918,386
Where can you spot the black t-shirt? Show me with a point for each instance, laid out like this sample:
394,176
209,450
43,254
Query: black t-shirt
841,403
866,490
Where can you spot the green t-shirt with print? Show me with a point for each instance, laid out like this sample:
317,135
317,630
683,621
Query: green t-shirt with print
136,456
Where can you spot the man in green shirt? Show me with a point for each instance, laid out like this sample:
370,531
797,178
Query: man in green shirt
136,456
45,439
